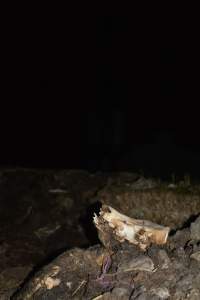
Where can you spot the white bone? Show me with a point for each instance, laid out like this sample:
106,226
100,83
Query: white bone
138,232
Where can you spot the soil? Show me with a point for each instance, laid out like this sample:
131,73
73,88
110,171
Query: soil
50,248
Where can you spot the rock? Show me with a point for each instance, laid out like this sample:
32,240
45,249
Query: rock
196,282
116,294
172,186
185,283
195,229
196,256
64,202
160,204
194,294
80,273
142,296
140,293
163,259
144,183
113,295
179,295
141,263
161,292
121,293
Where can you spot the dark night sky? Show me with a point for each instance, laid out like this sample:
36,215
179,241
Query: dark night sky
98,93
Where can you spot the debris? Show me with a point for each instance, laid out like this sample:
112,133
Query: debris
82,284
58,191
51,282
106,264
44,232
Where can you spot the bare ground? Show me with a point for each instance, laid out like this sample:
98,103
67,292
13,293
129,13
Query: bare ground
46,231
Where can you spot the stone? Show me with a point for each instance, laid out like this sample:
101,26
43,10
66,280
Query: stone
141,263
193,294
120,292
161,292
195,229
196,256
163,258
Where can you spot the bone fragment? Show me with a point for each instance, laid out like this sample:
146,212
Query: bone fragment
112,224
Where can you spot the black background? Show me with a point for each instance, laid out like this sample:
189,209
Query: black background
101,93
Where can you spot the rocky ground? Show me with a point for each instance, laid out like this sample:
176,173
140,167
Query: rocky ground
47,230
